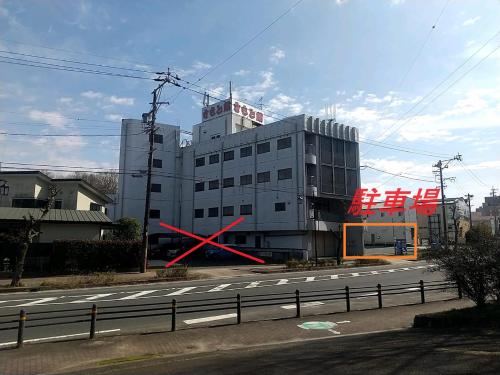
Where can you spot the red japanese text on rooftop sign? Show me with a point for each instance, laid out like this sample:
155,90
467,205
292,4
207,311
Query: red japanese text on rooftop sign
222,108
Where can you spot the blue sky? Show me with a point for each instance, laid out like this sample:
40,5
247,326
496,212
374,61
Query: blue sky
358,55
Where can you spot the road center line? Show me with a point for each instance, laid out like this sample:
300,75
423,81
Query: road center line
210,318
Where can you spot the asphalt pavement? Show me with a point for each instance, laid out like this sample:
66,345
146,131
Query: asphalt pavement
141,308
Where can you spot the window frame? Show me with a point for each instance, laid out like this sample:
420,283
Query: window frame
288,143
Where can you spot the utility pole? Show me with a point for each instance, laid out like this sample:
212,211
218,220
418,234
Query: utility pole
468,197
150,128
443,164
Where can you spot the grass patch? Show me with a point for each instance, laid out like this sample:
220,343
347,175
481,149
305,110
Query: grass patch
306,265
174,272
486,317
95,279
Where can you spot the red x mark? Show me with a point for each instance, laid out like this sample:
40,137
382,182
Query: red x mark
208,241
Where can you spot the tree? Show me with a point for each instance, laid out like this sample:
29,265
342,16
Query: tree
128,229
29,230
107,182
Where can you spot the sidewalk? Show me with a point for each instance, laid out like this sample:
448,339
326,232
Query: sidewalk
83,354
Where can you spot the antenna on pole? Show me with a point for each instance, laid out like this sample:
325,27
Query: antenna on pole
230,90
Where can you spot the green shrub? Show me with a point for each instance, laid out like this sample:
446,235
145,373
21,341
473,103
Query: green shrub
75,256
176,271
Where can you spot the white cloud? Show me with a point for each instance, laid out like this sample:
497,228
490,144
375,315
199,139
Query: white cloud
53,118
69,142
276,55
341,2
199,65
471,21
114,117
254,92
284,104
121,101
92,94
65,100
242,72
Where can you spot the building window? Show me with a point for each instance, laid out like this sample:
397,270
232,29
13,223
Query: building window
198,213
157,163
327,179
34,203
212,185
158,138
339,181
228,182
228,211
95,207
199,162
246,209
352,181
280,206
263,177
382,214
156,188
338,152
199,186
154,214
213,212
240,239
245,151
351,154
263,147
213,159
228,155
284,143
285,174
325,144
246,179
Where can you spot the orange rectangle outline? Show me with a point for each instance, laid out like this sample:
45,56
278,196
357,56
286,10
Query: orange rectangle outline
387,257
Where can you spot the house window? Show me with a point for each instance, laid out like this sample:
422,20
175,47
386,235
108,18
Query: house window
246,179
199,186
158,138
280,206
95,207
264,176
285,174
199,162
228,155
213,212
212,185
228,211
157,163
245,151
263,147
156,188
154,214
198,213
284,143
228,182
246,209
382,214
240,239
213,159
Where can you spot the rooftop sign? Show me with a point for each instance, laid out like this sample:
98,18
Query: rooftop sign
221,108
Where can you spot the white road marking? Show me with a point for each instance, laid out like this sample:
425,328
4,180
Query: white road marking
374,272
334,277
253,284
58,337
282,282
412,289
391,270
137,295
93,298
354,274
210,318
38,301
181,291
343,322
305,304
218,288
310,278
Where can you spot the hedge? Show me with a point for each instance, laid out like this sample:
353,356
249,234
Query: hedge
75,256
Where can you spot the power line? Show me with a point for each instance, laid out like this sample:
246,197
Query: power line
398,175
66,135
474,176
239,49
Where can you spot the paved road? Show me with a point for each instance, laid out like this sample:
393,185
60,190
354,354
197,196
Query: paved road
153,298
404,352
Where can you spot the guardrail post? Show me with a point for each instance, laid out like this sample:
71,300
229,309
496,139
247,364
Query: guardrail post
297,303
347,299
174,313
238,308
93,318
422,291
20,329
460,294
379,294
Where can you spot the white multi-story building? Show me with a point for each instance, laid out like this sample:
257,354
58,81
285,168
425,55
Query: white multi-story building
287,179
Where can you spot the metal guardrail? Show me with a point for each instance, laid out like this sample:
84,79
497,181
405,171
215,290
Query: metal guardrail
174,308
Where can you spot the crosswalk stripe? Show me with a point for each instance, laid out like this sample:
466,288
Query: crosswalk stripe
92,298
282,282
39,301
181,291
374,272
334,277
310,278
354,274
253,284
137,295
219,288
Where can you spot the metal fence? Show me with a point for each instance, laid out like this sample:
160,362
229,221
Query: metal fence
174,308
